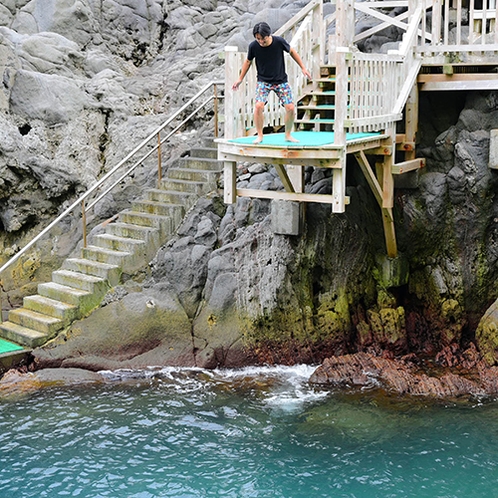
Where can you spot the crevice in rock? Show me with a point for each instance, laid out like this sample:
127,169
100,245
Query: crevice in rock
24,129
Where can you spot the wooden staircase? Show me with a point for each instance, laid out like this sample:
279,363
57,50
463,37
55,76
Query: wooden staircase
316,108
127,245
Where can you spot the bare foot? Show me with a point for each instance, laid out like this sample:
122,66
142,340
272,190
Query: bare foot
258,140
290,138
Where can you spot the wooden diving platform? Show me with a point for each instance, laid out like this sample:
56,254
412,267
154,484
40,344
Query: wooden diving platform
316,149
320,150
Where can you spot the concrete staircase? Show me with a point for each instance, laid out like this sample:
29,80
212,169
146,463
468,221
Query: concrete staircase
127,246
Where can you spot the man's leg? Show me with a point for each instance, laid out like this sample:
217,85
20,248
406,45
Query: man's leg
289,122
262,92
259,120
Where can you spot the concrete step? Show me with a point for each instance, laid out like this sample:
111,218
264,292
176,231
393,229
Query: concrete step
104,255
41,304
112,273
22,335
210,152
173,184
200,163
122,244
30,319
89,283
174,211
132,231
84,300
162,223
171,196
194,175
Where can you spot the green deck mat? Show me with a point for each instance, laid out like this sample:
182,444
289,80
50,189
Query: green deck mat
9,347
306,138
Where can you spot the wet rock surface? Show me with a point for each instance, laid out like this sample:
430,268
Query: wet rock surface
453,376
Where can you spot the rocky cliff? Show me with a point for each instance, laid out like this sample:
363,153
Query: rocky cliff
83,79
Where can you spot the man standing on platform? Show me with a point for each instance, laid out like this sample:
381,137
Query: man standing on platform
268,50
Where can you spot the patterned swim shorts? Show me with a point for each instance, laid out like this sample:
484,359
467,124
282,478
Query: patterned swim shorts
283,91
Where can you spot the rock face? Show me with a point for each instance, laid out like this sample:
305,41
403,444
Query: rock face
404,377
82,80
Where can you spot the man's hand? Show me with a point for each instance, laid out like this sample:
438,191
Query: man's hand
236,85
307,74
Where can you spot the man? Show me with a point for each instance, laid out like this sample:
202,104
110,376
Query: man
268,50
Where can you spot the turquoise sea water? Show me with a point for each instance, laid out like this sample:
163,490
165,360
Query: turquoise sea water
250,433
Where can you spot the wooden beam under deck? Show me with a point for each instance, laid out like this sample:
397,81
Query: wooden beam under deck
457,81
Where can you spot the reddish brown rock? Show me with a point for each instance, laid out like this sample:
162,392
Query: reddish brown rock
404,377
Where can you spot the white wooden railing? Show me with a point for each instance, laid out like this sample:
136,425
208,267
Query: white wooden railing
380,84
372,89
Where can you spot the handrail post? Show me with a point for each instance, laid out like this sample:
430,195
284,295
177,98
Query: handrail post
215,89
159,159
83,221
1,309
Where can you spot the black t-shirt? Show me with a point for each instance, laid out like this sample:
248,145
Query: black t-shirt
270,60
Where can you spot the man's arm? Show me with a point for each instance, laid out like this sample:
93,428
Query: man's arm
299,62
243,72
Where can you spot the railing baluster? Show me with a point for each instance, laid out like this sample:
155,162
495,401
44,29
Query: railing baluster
83,221
215,104
159,160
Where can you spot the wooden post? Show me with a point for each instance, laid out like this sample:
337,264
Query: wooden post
385,174
231,97
411,121
389,232
230,182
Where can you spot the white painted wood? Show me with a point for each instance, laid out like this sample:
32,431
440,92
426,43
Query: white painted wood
287,196
229,182
493,149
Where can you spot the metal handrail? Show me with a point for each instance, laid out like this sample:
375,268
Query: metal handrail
82,200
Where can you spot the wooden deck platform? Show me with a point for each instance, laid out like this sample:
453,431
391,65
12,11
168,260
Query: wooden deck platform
313,149
317,149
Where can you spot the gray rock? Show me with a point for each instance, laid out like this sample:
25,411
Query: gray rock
50,98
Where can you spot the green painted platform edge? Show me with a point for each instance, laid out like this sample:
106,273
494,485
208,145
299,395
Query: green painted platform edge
9,347
306,138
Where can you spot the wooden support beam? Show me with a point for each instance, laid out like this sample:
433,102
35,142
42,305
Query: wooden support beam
369,175
339,190
384,197
411,121
296,176
230,181
284,177
389,232
458,81
287,196
386,181
406,166
405,146
385,150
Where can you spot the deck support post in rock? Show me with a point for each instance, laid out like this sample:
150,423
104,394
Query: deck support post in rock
230,182
339,187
